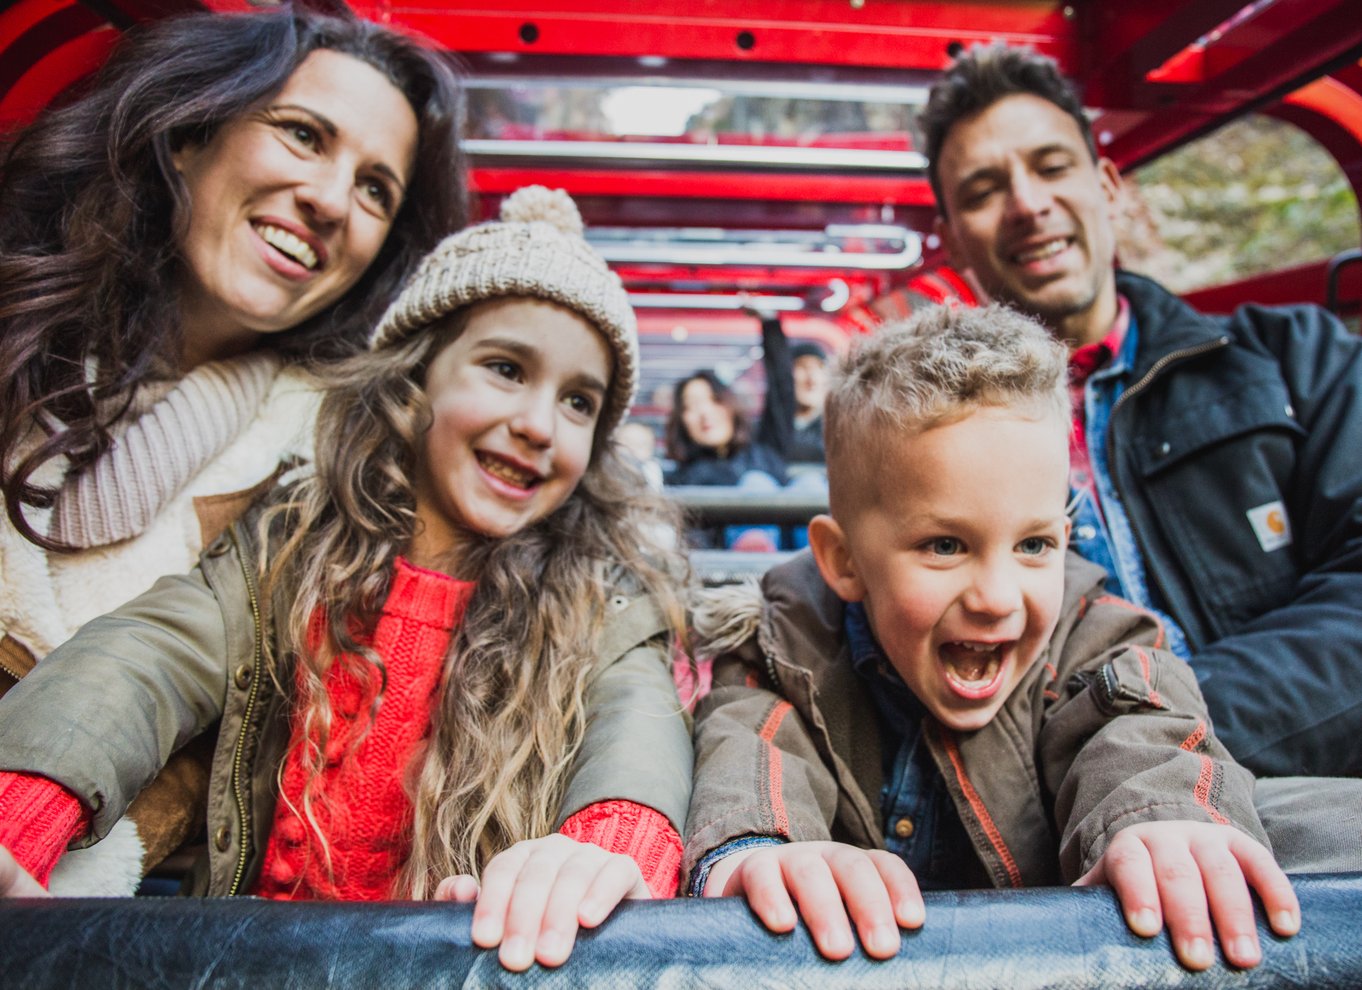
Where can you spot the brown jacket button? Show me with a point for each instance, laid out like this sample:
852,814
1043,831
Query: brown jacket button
903,828
243,676
223,838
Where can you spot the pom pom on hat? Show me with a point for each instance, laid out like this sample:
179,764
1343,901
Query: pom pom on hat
535,251
552,206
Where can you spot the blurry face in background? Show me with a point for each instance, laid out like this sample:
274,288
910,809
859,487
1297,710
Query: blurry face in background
639,439
708,423
291,201
810,383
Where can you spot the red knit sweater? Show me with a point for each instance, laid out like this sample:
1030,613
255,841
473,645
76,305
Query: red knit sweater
364,810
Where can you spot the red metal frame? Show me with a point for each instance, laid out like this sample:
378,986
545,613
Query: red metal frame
1161,71
887,33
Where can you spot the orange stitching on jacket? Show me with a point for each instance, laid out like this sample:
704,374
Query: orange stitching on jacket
995,837
1154,698
1195,739
774,767
1202,791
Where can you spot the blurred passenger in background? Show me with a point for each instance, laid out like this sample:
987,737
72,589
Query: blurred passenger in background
711,441
639,441
796,384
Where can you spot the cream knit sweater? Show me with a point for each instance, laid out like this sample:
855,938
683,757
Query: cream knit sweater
224,428
187,449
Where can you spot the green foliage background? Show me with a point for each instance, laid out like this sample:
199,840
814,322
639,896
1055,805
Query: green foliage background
1254,196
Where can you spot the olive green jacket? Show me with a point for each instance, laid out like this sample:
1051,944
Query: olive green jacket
101,714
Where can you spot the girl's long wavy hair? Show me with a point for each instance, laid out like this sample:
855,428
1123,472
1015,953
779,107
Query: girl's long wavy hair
92,211
509,716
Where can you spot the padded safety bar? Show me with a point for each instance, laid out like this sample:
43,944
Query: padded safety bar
709,505
715,567
1056,937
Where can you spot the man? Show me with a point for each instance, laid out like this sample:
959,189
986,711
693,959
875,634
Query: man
1217,471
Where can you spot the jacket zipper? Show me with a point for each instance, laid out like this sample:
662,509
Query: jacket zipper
1154,372
12,673
243,814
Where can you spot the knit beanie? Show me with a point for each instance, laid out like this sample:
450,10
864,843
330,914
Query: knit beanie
536,250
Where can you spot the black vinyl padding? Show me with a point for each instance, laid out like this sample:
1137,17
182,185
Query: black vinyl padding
1062,937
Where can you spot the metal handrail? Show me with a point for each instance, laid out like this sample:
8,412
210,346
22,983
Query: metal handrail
1337,263
595,154
718,505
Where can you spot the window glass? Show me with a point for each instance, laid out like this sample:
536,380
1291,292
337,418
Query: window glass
1255,196
781,114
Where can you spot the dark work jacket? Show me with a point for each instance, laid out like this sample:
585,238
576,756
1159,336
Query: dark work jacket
709,469
1227,415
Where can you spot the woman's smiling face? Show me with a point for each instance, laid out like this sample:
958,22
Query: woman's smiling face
291,201
708,422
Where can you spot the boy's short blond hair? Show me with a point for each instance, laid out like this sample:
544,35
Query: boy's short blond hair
912,374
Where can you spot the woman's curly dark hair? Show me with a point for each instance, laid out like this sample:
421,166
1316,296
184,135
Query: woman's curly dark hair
92,209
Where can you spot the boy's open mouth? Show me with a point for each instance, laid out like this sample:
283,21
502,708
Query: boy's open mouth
973,669
508,473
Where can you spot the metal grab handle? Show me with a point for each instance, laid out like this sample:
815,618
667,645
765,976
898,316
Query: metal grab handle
1337,263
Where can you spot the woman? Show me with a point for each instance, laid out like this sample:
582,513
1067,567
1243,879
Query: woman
235,200
711,441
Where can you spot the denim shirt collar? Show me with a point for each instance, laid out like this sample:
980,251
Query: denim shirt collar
1122,362
899,706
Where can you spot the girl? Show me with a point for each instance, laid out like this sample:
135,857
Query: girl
169,269
445,645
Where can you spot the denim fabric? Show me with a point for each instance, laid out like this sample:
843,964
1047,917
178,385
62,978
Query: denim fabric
1104,535
700,875
913,791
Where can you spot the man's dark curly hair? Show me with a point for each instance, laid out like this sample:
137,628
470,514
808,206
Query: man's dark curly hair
981,77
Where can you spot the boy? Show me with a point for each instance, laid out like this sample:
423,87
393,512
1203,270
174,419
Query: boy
941,695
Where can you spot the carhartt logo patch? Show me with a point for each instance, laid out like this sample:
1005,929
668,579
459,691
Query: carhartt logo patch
1271,526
